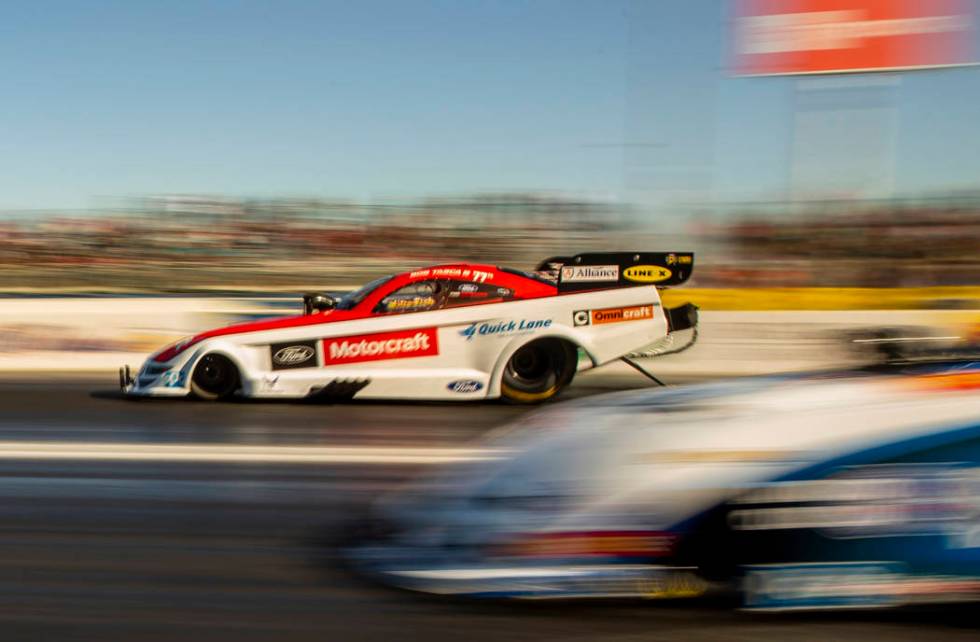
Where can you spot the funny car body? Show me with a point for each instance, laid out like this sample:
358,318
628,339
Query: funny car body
451,332
794,492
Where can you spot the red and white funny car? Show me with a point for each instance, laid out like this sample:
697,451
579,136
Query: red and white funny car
446,332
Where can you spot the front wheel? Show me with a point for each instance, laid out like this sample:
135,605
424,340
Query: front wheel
215,377
539,370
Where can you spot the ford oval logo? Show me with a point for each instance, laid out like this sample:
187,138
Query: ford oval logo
465,386
292,355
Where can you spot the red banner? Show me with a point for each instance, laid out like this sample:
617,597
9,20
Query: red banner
833,36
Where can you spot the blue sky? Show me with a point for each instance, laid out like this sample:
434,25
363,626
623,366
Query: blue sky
398,99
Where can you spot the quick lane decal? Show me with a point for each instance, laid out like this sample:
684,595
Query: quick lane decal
503,328
589,273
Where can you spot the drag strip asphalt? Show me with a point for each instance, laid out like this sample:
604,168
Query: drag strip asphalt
169,520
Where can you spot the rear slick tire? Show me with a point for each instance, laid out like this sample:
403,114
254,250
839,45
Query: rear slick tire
538,371
215,378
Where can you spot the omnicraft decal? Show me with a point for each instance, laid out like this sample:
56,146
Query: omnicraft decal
613,315
503,328
589,273
403,344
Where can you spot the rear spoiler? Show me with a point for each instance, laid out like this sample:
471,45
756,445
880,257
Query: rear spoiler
602,270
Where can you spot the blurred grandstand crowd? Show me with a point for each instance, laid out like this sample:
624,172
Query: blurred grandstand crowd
921,243
189,243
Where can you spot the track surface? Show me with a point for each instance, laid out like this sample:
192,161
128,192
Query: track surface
123,550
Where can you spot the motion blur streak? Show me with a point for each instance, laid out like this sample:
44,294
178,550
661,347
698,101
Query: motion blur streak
231,454
204,550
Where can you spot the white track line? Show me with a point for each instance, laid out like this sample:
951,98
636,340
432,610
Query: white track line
88,451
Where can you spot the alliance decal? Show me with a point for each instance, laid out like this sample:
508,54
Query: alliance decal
589,273
381,346
296,354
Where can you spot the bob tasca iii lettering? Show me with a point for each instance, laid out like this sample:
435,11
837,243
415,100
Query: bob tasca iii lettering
379,346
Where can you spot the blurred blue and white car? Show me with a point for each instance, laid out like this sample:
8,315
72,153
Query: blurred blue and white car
857,489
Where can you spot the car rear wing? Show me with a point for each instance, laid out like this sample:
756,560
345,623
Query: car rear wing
602,270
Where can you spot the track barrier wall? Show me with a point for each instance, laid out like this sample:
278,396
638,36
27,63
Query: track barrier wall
88,334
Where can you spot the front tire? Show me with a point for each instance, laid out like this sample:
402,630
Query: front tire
538,371
215,377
